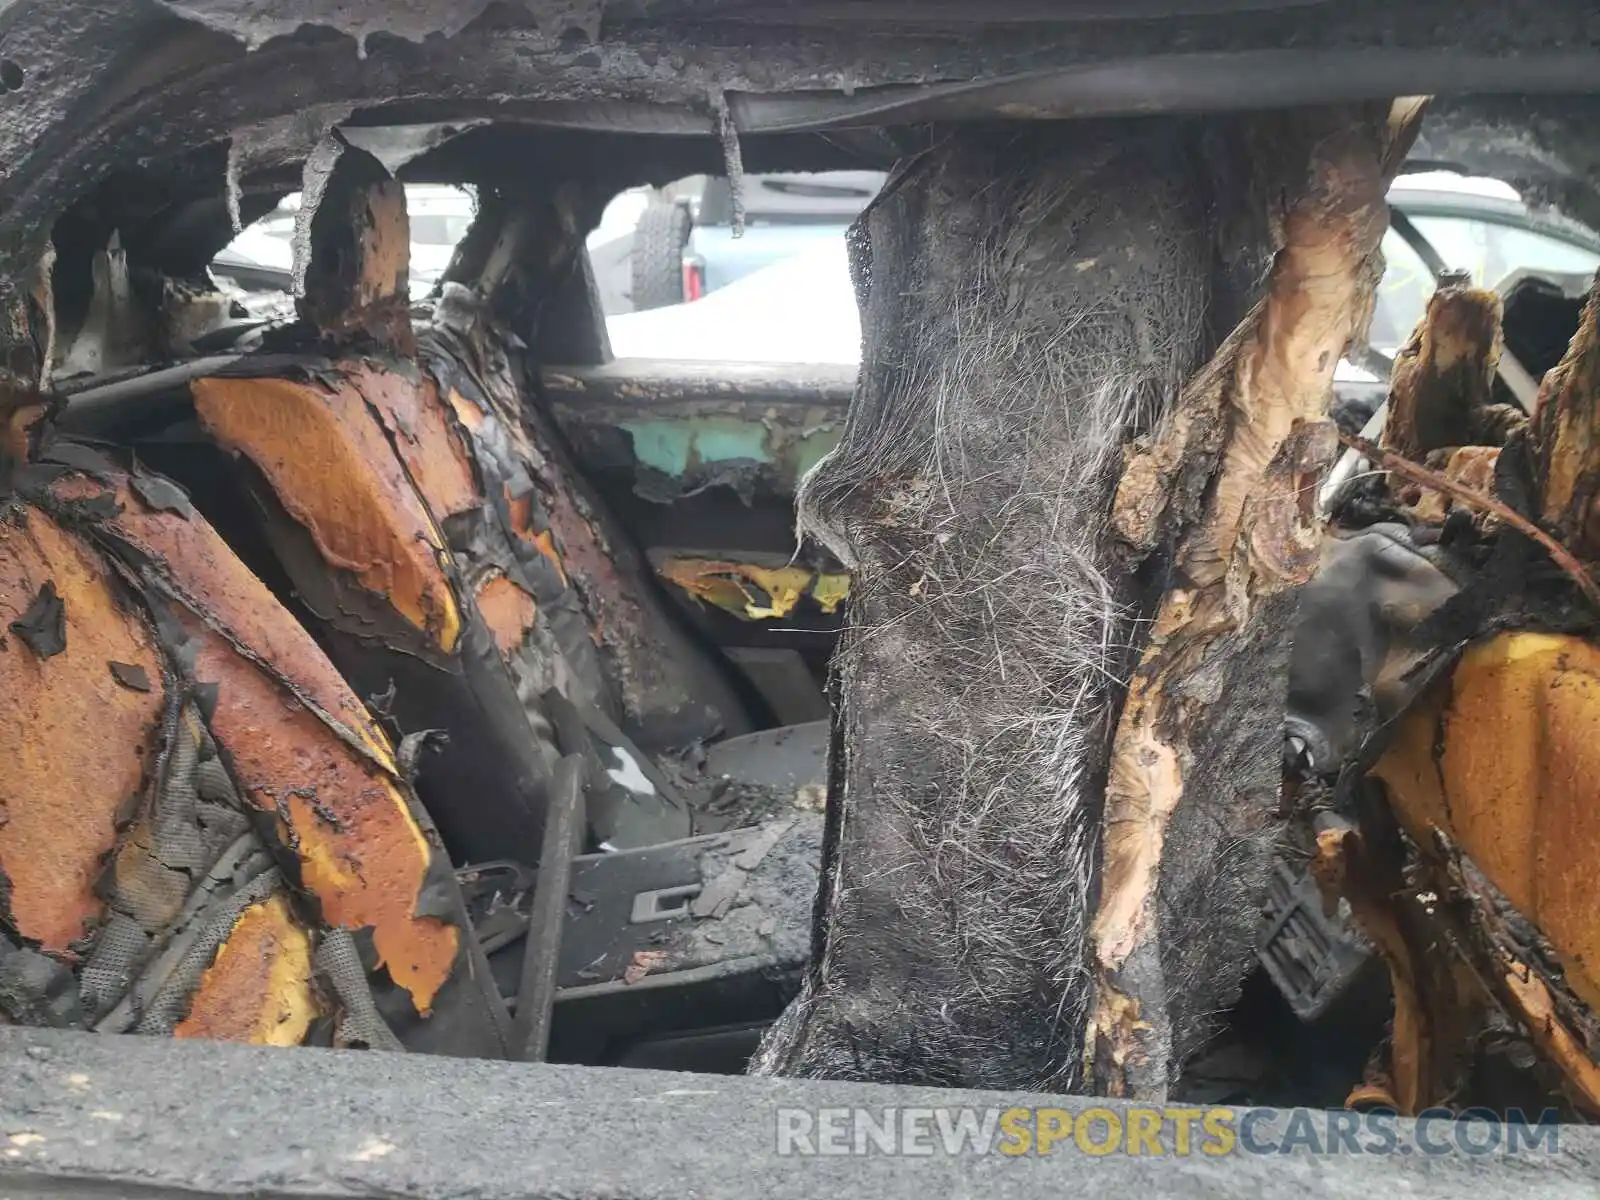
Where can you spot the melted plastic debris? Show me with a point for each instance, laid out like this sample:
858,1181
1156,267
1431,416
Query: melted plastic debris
231,189
43,627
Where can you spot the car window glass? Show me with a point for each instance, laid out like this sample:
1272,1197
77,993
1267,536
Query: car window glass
1492,250
434,229
677,283
1488,250
1526,249
1401,297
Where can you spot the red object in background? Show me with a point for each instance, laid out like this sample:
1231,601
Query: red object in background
694,280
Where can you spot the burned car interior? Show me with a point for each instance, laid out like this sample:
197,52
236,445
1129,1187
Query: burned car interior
1087,694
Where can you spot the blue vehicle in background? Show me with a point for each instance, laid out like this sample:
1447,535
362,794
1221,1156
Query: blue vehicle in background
684,245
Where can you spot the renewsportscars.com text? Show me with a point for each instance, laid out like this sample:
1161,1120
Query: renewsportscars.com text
1156,1131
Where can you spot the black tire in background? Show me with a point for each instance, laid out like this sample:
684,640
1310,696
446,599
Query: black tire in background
658,242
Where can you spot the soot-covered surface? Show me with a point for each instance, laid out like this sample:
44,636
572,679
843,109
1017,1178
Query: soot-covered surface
1020,324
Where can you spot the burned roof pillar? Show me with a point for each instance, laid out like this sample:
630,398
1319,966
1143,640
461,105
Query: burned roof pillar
1033,297
1193,800
1013,897
357,276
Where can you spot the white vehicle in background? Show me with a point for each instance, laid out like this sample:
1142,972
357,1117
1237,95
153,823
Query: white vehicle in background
788,297
440,217
260,260
611,246
802,309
